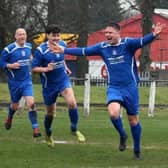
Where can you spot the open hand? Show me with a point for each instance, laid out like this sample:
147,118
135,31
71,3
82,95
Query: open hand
56,48
158,28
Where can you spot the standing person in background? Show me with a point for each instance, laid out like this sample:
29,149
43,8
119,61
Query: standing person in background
55,81
119,56
15,60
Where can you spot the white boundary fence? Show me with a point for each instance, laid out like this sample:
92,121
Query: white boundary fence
152,94
86,102
21,108
144,83
101,82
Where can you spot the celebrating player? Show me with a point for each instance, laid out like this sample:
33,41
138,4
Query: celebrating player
118,55
55,80
15,60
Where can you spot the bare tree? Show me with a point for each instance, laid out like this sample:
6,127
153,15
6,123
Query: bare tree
82,63
161,4
102,12
83,17
147,10
29,14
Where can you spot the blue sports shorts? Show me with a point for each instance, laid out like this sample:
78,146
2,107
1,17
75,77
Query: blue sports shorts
51,92
127,96
18,89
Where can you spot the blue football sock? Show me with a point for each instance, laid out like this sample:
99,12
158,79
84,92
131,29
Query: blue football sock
11,112
136,134
119,126
73,114
47,124
33,119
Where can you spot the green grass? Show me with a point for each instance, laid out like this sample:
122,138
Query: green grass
17,148
98,94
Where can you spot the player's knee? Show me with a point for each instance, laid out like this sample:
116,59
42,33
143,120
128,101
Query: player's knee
50,110
72,104
31,106
114,114
133,120
14,108
50,114
114,110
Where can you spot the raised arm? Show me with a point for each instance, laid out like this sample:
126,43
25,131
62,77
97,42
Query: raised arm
136,43
86,51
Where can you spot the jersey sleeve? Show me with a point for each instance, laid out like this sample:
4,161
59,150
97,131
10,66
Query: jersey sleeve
63,43
136,43
4,57
86,51
36,62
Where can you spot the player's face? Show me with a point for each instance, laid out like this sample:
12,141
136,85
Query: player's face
53,37
20,36
112,35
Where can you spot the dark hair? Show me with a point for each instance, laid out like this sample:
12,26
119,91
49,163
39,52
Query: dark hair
115,26
52,29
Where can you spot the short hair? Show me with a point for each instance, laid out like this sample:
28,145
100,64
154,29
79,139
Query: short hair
52,29
116,26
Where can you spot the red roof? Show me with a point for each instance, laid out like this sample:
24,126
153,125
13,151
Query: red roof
132,28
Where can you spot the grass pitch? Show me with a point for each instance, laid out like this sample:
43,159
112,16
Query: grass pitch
17,147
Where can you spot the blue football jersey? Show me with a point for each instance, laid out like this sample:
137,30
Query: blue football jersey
14,53
119,58
42,57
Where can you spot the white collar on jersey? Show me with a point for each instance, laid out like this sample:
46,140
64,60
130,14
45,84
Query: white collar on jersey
18,46
119,42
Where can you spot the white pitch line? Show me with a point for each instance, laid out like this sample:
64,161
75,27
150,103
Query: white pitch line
61,142
99,143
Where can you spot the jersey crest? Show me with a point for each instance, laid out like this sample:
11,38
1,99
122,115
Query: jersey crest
114,52
23,53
